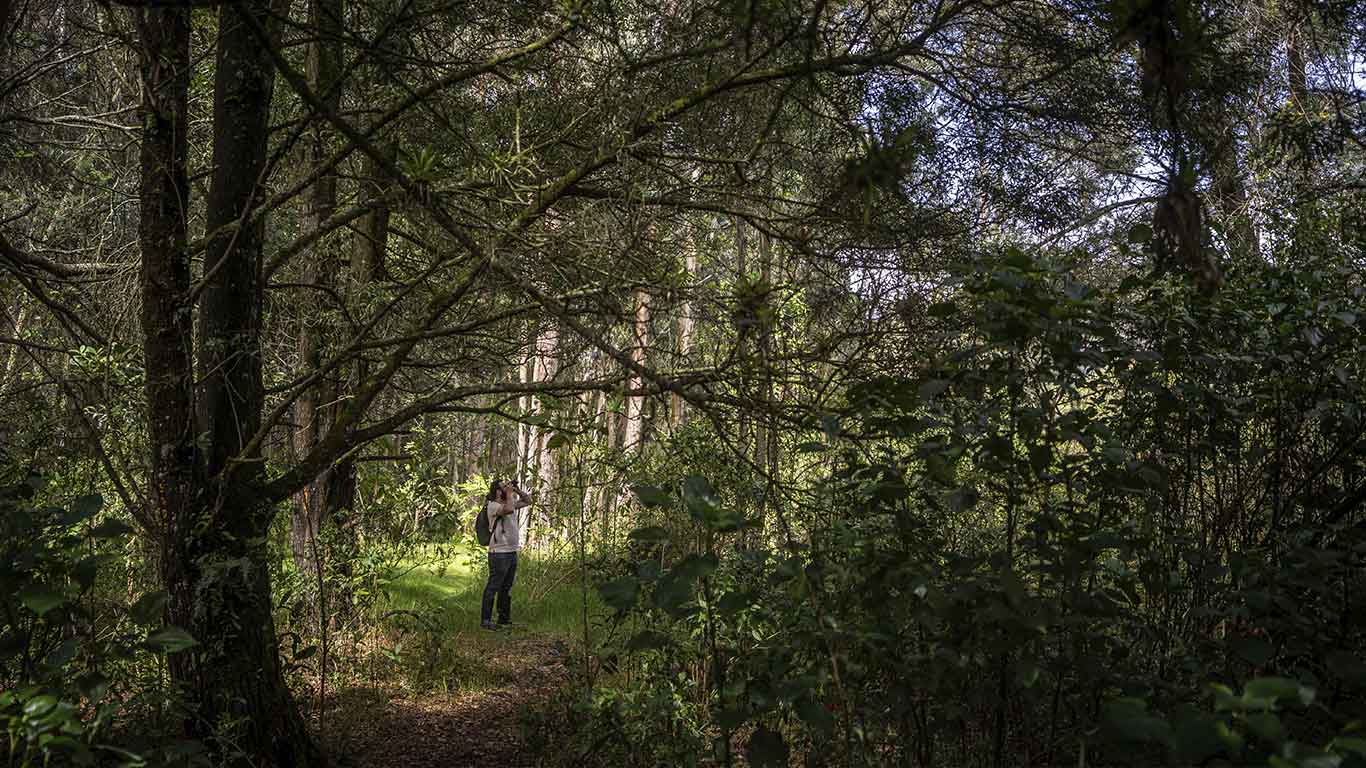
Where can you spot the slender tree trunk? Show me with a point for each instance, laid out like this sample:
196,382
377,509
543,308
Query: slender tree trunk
316,408
763,436
685,326
23,311
635,404
742,274
547,365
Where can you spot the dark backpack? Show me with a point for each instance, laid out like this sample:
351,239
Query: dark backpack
482,533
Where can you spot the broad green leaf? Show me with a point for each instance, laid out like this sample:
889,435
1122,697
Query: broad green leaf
652,496
1279,689
170,639
1267,727
149,608
93,686
700,497
1350,744
621,593
110,529
39,706
675,588
83,508
41,598
1040,457
651,534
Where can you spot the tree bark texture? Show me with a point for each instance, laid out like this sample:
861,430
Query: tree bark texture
634,431
315,409
213,523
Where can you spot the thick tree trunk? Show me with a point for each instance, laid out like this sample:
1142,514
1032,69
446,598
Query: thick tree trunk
213,526
166,312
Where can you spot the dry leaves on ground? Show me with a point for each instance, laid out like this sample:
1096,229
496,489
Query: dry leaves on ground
382,728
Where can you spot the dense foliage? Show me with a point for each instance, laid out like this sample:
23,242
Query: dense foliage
899,382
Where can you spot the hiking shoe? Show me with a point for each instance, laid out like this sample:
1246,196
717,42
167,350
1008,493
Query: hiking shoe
490,626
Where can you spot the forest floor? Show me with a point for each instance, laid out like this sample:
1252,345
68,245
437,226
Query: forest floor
473,688
377,727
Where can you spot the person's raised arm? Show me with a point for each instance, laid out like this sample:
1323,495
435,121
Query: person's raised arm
524,501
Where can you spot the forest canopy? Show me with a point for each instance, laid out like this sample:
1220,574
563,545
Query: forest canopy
924,382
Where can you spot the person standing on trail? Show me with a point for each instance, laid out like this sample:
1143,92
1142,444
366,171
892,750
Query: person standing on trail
504,501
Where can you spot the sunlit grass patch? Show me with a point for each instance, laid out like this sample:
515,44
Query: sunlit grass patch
434,598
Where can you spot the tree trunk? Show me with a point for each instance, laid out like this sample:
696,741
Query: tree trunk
316,408
213,527
634,431
764,454
685,325
166,314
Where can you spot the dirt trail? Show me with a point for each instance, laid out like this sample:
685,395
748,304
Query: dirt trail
374,728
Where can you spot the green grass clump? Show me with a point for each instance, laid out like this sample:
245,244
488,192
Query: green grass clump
445,588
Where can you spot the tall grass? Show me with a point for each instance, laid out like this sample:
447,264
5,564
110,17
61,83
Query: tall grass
447,586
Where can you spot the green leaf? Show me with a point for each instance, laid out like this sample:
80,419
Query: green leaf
170,639
93,686
650,534
40,598
1018,259
767,749
620,594
83,508
1195,736
110,529
700,497
831,426
87,568
652,495
38,706
1279,689
149,608
675,588
1026,674
1267,727
1350,744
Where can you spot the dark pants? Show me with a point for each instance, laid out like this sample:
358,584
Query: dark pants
502,571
